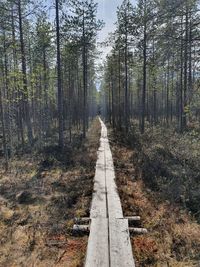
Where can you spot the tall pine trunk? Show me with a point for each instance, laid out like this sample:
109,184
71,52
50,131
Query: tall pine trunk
143,108
84,56
185,69
59,81
25,82
126,82
5,148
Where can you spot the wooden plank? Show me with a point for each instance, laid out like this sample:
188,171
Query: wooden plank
120,246
114,203
98,207
109,241
98,247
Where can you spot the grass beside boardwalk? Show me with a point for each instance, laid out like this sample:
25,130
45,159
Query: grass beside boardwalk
39,198
158,179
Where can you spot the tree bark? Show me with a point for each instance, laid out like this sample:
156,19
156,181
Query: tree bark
3,132
59,80
126,82
25,82
84,80
143,108
185,69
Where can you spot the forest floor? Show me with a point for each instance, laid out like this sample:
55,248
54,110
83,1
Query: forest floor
39,198
158,179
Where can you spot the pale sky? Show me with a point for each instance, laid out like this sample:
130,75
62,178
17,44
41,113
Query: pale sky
106,12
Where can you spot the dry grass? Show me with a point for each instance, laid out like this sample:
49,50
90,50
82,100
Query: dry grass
174,236
35,229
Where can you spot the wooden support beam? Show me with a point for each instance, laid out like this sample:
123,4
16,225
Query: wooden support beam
81,229
82,220
133,218
134,230
133,221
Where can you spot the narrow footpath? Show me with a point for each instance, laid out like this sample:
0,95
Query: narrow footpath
109,241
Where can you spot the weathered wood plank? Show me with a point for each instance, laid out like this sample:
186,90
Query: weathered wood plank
98,207
114,204
109,241
98,247
120,245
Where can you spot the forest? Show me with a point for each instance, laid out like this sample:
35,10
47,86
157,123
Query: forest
55,83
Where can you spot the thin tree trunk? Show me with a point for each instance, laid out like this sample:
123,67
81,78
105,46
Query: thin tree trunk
59,81
84,80
25,83
185,69
126,82
143,109
3,132
181,82
119,89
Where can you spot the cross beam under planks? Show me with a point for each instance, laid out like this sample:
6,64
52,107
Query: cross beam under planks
109,240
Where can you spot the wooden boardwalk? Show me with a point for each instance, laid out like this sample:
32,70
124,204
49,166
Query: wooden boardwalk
109,240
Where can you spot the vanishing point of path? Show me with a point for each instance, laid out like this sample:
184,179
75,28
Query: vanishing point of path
109,241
